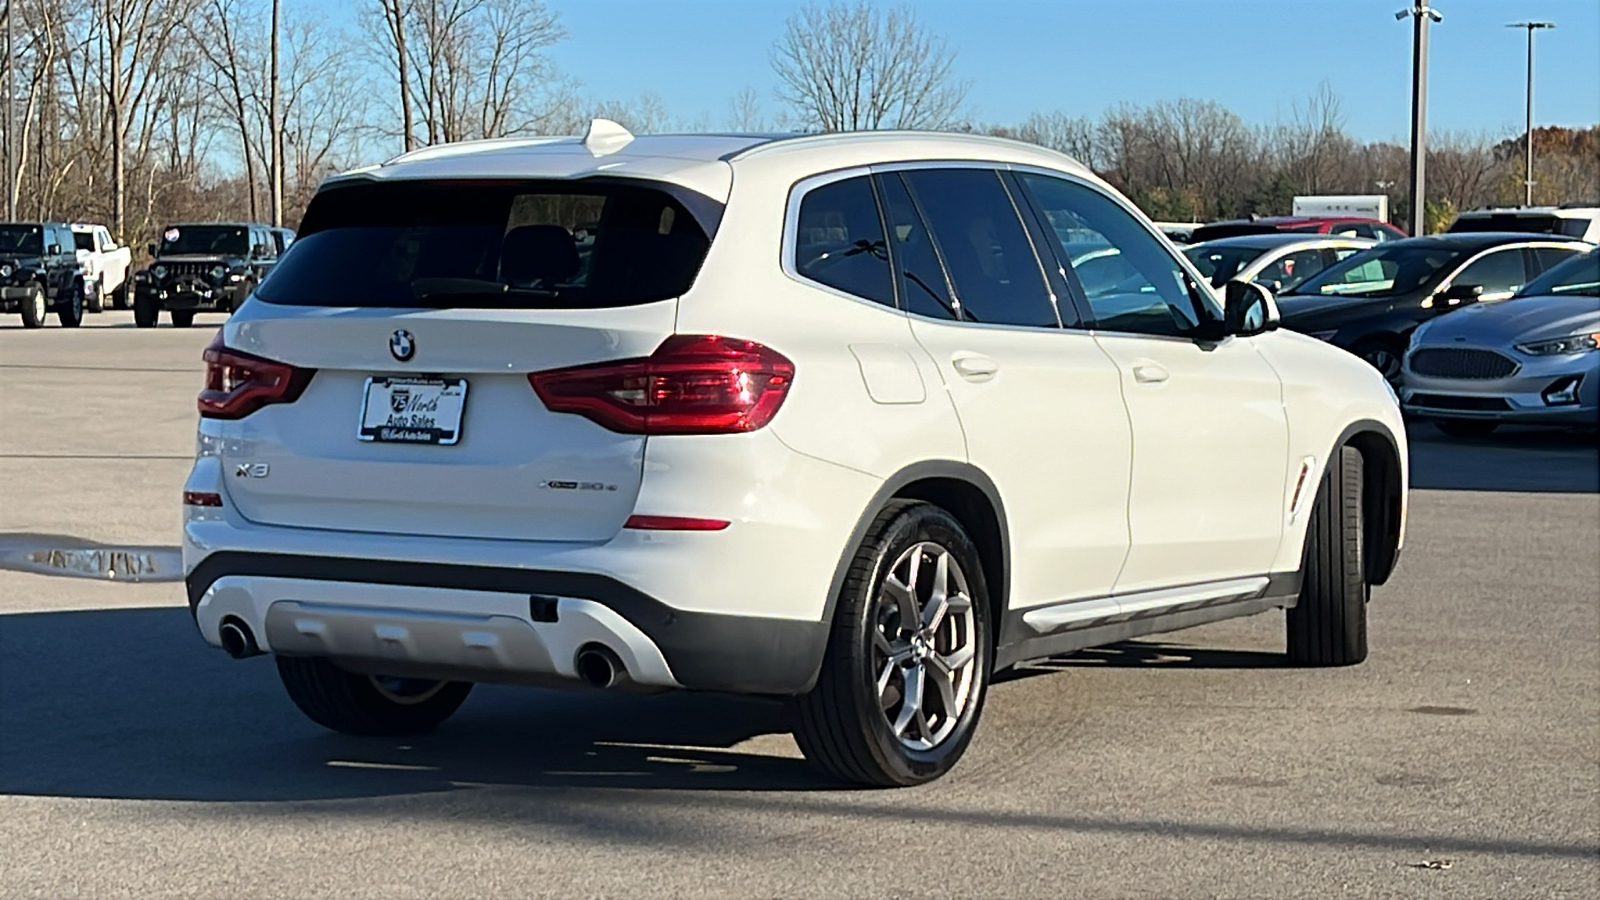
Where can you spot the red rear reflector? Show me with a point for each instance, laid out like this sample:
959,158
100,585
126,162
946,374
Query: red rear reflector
201,498
238,384
691,384
674,523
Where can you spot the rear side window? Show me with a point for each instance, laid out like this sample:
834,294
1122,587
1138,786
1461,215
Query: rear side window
922,277
546,245
839,240
985,247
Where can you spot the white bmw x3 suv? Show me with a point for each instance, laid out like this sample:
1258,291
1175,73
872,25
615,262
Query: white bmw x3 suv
829,417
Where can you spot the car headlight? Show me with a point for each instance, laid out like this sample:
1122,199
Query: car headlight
217,272
6,269
1582,342
1324,335
158,271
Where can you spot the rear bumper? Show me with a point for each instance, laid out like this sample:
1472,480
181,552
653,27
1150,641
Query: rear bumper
479,623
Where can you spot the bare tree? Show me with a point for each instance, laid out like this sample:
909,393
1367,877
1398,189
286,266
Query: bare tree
395,14
853,67
227,53
274,122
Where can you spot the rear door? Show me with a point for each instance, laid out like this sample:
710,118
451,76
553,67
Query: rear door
422,309
1040,406
1210,436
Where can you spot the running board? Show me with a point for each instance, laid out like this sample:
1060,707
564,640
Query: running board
1076,625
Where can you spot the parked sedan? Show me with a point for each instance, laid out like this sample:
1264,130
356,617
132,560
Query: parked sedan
1370,303
1278,262
1532,360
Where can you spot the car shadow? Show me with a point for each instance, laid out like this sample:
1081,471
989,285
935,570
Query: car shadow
1146,654
130,703
1513,458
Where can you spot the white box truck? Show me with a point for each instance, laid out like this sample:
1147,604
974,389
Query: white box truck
1366,206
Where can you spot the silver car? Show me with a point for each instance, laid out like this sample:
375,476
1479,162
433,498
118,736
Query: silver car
1277,262
1531,360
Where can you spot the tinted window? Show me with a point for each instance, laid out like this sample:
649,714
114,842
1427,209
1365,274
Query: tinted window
1384,271
1155,295
985,248
21,239
83,240
1498,272
526,245
1575,227
922,278
1219,264
839,240
1539,224
1578,275
213,240
1550,257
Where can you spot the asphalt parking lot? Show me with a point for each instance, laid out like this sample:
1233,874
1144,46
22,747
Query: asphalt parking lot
1462,760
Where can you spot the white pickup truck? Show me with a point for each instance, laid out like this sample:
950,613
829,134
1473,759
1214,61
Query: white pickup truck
105,267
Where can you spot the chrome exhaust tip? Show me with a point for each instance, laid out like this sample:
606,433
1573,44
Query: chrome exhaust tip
237,639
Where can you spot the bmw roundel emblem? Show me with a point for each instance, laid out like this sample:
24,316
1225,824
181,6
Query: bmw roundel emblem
402,345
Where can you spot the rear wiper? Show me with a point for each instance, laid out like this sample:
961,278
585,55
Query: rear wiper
505,296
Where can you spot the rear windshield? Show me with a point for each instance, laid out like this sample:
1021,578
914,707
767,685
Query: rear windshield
209,240
83,240
1219,264
1536,224
545,245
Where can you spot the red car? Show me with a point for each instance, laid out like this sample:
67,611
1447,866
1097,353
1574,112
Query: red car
1342,226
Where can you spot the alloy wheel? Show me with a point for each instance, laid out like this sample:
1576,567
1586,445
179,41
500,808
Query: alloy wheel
924,646
1386,361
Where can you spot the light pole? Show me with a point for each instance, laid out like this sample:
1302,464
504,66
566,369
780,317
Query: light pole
1527,171
11,125
1424,15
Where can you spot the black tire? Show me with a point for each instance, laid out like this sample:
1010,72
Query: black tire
145,311
69,309
1328,627
1384,354
364,704
1464,428
843,725
33,307
119,297
240,296
181,318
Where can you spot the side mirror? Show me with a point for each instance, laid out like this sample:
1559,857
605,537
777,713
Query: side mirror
1250,308
1461,293
53,250
150,249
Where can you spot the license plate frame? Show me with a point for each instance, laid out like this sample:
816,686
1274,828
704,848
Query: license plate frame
421,427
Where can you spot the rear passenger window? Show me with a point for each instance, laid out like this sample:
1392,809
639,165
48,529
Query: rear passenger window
992,266
922,278
839,241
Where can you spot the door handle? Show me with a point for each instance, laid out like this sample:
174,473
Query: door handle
974,366
1149,373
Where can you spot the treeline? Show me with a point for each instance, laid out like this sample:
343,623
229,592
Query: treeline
137,112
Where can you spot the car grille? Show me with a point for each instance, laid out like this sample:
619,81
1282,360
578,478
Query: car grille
189,269
1451,362
1445,401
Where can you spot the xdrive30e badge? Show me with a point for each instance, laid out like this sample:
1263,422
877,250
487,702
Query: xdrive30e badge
402,346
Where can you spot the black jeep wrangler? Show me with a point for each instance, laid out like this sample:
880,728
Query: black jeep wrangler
202,267
39,272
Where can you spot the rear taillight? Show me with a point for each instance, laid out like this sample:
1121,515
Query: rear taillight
238,384
692,384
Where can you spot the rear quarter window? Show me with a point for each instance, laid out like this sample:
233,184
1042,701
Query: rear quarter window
490,245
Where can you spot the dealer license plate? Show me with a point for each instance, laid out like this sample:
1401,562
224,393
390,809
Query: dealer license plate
413,410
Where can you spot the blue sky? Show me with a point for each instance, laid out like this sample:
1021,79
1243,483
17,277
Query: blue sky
1257,57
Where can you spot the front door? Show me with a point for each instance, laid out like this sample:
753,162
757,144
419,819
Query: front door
1210,438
